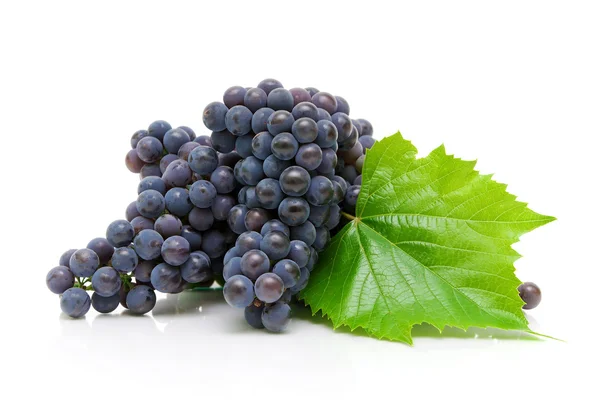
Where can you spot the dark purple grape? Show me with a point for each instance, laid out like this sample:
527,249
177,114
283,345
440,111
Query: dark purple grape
342,105
531,294
133,162
269,85
102,248
293,211
214,116
193,237
280,99
137,136
280,121
255,99
300,95
234,96
325,101
158,129
201,219
168,225
305,110
260,119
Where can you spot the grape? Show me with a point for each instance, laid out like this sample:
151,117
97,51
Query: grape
293,211
166,278
324,115
269,194
280,121
238,120
203,160
248,241
312,91
275,225
141,299
288,271
133,161
351,198
342,105
177,201
143,271
251,199
137,136
189,131
367,142
284,146
309,156
223,141
214,116
75,302
232,267
347,144
197,268
300,95
360,161
201,219
286,297
150,204
276,245
203,140
325,101
221,206
223,180
253,315
255,219
255,263
59,279
334,217
193,237
343,124
349,173
84,263
231,158
322,238
314,258
302,282
174,139
239,291
269,287
255,99
273,166
305,232
148,244
184,151
105,305
366,127
320,191
305,110
66,257
236,218
305,130
124,260
168,225
531,294
358,181
214,244
276,317
327,134
350,156
157,129
166,160
260,119
280,99
261,145
328,161
234,96
102,248
150,170
268,85
178,174
106,281
243,145
231,253
338,193
299,253
202,194
251,170
152,182
149,149
175,251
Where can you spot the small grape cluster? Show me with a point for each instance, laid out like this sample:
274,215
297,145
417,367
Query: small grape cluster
248,207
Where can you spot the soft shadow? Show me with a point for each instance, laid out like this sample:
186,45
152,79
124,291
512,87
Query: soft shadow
424,330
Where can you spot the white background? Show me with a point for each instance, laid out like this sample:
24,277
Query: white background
515,85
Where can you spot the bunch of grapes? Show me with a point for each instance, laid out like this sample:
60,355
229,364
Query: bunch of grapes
301,158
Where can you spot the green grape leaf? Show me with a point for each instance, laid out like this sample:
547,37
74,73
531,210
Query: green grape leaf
430,243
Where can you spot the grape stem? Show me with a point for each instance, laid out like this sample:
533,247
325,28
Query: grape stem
348,216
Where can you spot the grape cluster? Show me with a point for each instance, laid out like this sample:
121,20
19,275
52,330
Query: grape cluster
248,207
301,158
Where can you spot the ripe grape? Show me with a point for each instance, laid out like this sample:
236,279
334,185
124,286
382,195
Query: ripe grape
234,96
276,317
238,120
269,287
293,211
255,263
148,244
175,250
177,201
197,268
84,263
141,299
280,121
256,218
531,294
59,279
305,232
174,139
232,267
124,260
248,241
305,110
276,245
102,248
288,271
149,149
223,141
280,99
239,291
106,281
275,225
269,85
325,101
202,194
75,302
253,315
214,116
203,160
255,99
260,119
105,305
294,181
150,204
158,129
